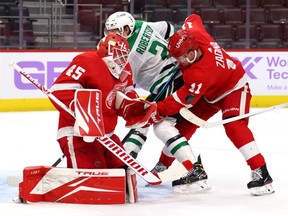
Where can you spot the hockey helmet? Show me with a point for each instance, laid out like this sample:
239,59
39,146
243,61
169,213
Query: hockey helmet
181,43
118,21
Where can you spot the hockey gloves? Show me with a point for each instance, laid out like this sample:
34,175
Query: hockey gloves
137,112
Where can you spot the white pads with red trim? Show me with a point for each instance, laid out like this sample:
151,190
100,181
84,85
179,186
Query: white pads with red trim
79,186
88,113
132,193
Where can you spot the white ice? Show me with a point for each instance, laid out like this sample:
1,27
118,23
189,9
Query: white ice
29,139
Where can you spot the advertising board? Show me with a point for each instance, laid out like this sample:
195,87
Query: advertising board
268,72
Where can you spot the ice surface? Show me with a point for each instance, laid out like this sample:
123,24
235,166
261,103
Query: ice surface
29,139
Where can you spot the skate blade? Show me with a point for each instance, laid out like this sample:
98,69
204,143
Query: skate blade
193,188
260,191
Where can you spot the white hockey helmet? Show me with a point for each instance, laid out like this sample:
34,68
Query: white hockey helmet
118,21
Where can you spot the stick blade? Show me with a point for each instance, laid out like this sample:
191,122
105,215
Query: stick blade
189,116
175,172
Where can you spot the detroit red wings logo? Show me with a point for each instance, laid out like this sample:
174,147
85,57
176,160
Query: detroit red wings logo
110,100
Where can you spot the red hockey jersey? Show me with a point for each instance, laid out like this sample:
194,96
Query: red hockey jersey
89,71
213,76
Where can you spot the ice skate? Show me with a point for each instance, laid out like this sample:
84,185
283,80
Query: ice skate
261,182
194,181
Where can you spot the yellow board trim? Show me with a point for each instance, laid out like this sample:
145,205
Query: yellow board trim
40,104
29,104
267,101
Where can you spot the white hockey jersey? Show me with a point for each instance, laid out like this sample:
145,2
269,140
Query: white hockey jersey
149,58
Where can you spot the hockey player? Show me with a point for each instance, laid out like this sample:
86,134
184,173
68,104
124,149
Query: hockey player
152,67
106,69
212,78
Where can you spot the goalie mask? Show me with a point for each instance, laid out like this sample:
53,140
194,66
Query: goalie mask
114,51
181,43
118,21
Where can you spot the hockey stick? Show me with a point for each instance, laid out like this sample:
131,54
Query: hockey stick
15,180
106,141
45,91
58,161
175,70
41,88
189,116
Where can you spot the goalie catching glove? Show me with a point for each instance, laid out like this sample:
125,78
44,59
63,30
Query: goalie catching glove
149,116
137,112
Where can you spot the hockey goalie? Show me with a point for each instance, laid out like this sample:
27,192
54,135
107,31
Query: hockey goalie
97,87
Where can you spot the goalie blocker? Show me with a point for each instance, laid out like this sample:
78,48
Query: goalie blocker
78,186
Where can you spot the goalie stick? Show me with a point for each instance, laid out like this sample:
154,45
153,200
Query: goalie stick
148,176
58,161
191,117
15,180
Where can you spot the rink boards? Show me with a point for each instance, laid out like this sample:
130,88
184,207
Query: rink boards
268,72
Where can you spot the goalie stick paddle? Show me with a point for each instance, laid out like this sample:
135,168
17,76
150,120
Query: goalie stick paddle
105,141
191,117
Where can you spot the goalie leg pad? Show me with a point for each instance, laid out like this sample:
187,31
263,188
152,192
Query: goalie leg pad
78,186
132,193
